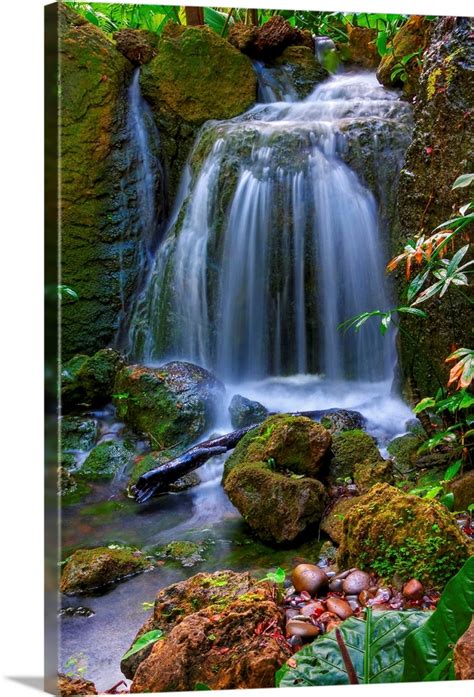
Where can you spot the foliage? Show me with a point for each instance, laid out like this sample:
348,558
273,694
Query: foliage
428,650
431,491
145,640
76,665
278,579
375,647
65,293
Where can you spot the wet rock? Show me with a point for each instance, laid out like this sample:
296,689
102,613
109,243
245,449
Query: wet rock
463,489
188,553
76,612
356,582
138,45
270,39
362,48
464,655
350,448
172,604
339,607
304,68
71,490
89,380
105,461
368,473
412,37
312,608
337,420
78,433
69,687
88,569
413,590
186,482
332,522
305,630
222,646
327,554
404,450
308,577
173,404
391,532
245,412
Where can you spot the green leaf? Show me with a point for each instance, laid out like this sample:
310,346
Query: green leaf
381,42
428,646
425,403
412,311
448,500
463,180
375,647
144,641
201,686
452,470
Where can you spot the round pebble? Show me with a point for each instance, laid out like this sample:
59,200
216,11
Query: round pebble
356,582
303,629
309,578
339,607
413,590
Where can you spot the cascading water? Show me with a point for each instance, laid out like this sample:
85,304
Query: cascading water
277,242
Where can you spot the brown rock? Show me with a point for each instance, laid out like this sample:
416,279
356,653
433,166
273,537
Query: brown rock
69,687
413,590
243,36
308,577
463,489
356,582
362,48
339,607
464,655
275,35
303,629
312,607
224,652
138,45
333,521
411,37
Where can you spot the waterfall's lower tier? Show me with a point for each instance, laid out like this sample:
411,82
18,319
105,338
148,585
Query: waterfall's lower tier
276,240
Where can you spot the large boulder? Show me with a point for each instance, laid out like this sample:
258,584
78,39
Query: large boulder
138,45
332,523
270,476
105,461
88,569
350,448
222,647
442,148
102,237
245,412
390,532
173,404
89,380
180,84
463,490
303,67
410,39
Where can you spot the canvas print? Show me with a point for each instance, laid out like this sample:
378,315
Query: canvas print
265,466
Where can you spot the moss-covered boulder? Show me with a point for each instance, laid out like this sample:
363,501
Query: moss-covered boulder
174,603
245,412
332,522
463,489
101,226
88,569
89,380
173,404
78,433
368,473
362,49
350,448
181,85
269,476
71,489
105,461
410,39
138,45
304,68
187,553
394,533
337,420
404,451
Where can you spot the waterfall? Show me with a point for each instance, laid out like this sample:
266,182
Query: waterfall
277,241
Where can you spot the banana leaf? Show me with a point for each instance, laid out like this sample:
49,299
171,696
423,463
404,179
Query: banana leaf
429,650
375,646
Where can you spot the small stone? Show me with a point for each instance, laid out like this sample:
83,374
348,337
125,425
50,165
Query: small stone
308,577
339,607
302,629
413,590
365,596
356,582
315,607
335,585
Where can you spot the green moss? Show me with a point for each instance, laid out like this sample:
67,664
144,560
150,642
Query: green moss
349,449
187,553
87,569
404,450
103,508
368,473
78,433
71,490
105,460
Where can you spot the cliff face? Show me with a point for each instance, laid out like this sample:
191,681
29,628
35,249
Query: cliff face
441,149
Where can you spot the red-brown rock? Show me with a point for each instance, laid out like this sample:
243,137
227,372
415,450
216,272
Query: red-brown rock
464,655
138,45
72,687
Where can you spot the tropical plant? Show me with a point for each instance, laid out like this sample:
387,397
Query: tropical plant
277,578
143,642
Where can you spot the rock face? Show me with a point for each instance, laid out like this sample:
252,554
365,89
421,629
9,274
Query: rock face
442,148
218,644
67,687
464,655
245,412
89,380
88,569
305,70
269,476
390,532
101,228
412,37
362,48
180,84
463,490
174,404
332,523
138,45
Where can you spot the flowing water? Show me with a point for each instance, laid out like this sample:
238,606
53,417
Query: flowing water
275,238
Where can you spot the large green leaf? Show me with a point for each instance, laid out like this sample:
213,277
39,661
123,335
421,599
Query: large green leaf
428,651
375,646
144,641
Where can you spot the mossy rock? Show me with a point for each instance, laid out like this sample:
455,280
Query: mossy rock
350,448
89,380
78,433
71,490
89,569
245,412
173,405
305,70
105,461
332,522
413,36
390,532
187,553
463,489
368,473
404,450
293,443
362,46
69,687
182,76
